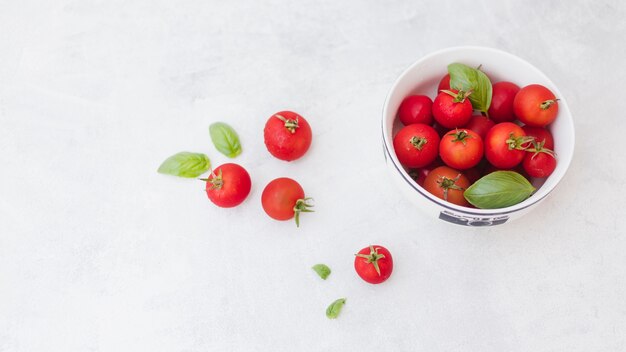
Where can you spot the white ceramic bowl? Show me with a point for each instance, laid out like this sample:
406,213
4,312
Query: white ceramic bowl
422,78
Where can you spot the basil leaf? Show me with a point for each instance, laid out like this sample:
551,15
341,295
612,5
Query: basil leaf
322,270
463,77
225,139
333,310
185,164
499,189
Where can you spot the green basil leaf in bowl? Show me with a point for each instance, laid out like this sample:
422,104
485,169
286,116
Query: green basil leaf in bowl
225,139
499,189
463,77
185,164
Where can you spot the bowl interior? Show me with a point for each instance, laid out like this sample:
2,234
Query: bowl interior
423,77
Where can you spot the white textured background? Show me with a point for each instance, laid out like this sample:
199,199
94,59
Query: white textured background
98,252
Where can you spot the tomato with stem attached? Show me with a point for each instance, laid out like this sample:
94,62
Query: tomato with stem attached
373,264
505,145
541,135
461,149
228,185
448,184
416,145
283,199
287,135
535,105
539,161
452,108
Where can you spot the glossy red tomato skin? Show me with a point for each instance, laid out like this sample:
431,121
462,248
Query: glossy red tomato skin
451,114
461,155
454,196
281,142
421,173
501,108
528,102
480,124
367,271
280,196
408,154
497,150
444,84
416,109
541,134
539,165
236,185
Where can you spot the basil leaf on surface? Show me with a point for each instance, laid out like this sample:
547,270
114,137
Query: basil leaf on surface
185,164
225,139
463,77
322,270
499,189
333,310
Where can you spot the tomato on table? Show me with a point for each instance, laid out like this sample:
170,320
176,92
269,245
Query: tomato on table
228,185
373,264
283,199
287,135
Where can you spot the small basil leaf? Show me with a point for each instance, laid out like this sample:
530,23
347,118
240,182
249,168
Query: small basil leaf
322,270
185,164
467,78
333,310
499,189
225,139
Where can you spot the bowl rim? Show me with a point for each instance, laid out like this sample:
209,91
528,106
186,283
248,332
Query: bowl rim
457,208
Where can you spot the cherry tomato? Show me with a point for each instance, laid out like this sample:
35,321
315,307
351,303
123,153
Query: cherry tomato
480,124
416,109
539,161
448,184
444,84
504,145
419,175
501,108
535,105
228,185
416,145
452,109
541,135
283,199
373,264
287,135
461,149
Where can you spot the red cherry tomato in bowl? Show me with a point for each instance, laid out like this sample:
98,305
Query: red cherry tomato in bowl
461,149
452,108
448,184
505,144
501,108
535,105
287,135
373,264
283,199
416,109
228,185
444,84
541,135
480,124
416,145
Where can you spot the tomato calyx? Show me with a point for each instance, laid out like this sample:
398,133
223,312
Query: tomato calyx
449,183
372,258
216,181
547,104
460,136
290,124
418,142
538,148
519,143
302,206
460,96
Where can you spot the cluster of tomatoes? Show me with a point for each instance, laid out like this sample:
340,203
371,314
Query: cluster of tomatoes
287,137
448,147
